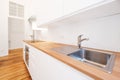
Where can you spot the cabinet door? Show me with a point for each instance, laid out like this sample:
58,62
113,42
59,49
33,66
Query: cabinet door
32,65
75,5
47,10
49,68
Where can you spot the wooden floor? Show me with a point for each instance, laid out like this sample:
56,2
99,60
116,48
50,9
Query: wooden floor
12,66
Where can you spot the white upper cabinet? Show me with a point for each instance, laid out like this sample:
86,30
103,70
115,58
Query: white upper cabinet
47,10
75,5
52,11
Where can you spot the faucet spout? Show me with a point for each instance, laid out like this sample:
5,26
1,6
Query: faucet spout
33,36
81,40
84,39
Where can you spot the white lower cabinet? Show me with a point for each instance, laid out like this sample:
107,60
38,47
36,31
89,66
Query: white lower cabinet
44,67
32,68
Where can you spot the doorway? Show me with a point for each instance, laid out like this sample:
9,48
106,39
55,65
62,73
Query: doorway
15,32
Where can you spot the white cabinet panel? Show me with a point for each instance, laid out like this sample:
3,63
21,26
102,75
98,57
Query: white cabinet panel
33,66
44,67
47,10
74,5
32,70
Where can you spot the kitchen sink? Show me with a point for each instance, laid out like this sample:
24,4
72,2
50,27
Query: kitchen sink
103,60
100,59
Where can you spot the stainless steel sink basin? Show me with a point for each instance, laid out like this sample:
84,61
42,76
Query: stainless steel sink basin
100,59
103,60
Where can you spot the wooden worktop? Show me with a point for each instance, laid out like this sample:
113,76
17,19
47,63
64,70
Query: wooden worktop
89,70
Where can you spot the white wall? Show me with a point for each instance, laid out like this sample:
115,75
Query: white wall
22,2
3,27
46,10
43,10
103,33
29,11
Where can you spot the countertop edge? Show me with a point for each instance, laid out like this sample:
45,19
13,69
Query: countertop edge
66,62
